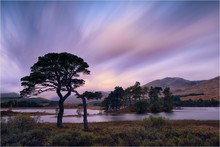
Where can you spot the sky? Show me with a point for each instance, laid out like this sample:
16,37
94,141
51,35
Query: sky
122,41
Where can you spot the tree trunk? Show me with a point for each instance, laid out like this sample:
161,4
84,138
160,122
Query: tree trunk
85,121
61,107
60,114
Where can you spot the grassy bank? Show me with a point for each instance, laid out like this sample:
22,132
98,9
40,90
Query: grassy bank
151,131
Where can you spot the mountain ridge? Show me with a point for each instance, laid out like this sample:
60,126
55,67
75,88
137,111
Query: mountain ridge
9,94
204,89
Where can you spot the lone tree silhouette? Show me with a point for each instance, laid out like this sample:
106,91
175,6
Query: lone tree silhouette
56,72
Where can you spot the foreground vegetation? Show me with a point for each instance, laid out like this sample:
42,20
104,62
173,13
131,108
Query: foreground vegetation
26,131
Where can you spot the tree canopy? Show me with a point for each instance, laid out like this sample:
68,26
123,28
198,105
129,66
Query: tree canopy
58,72
55,72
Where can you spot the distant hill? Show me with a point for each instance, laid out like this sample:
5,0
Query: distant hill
204,89
9,95
175,84
209,88
9,100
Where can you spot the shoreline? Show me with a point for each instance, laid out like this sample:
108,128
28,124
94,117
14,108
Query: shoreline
36,108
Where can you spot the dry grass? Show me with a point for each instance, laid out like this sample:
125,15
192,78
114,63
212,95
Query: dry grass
107,127
120,133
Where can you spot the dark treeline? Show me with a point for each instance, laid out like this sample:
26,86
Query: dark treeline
154,99
195,103
28,103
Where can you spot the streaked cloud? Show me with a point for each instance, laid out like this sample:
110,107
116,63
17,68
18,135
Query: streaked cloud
123,42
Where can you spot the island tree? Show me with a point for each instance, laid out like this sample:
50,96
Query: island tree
154,93
128,96
118,96
114,99
168,100
110,102
57,72
137,91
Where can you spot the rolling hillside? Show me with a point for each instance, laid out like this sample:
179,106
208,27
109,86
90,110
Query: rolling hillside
209,88
16,101
205,89
9,95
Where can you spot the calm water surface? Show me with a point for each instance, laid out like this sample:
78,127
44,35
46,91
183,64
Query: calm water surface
195,113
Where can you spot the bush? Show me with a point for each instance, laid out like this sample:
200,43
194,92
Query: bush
34,138
104,140
72,139
61,139
130,137
158,142
21,122
21,130
156,122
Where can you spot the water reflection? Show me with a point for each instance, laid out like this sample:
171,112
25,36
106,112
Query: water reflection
208,113
54,111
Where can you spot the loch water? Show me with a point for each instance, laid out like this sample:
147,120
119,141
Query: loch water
192,113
